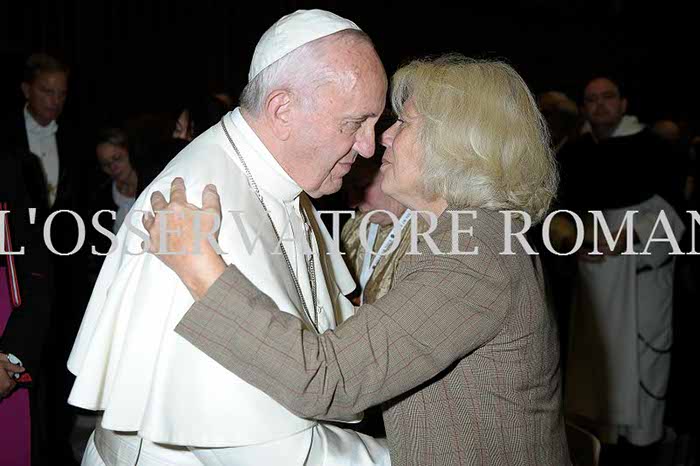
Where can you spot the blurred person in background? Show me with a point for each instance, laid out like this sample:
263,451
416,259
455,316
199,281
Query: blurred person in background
620,333
189,122
25,312
118,193
561,114
52,160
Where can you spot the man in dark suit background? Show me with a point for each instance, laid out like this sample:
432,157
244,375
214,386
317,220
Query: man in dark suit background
32,136
49,161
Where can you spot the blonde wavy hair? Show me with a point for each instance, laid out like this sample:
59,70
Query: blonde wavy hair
485,142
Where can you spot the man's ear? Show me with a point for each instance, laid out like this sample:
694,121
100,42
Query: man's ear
278,110
25,90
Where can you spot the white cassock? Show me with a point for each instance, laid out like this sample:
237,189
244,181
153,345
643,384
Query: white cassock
153,385
621,333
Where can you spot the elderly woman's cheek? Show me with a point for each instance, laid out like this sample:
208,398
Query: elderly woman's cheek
387,182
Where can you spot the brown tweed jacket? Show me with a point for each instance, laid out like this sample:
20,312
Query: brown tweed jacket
462,352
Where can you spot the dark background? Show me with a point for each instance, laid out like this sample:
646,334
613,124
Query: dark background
135,56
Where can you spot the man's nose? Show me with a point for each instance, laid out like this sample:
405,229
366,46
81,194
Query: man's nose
365,144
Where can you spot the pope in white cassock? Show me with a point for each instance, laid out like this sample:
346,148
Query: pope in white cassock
316,89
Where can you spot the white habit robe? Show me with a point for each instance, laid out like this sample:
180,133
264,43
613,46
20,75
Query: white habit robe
619,363
154,385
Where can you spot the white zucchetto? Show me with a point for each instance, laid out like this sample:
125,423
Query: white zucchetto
291,32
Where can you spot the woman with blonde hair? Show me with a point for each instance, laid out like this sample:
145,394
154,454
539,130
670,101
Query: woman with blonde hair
462,352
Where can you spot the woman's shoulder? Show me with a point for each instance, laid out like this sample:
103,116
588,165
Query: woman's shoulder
476,242
465,232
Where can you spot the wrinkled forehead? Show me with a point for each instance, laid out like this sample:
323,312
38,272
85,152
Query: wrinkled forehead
378,93
368,71
365,97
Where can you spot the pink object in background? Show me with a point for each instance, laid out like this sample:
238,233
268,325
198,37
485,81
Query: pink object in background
15,423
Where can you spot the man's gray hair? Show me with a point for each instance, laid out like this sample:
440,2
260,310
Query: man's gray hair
301,72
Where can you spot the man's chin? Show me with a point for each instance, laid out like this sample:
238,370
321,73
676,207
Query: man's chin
315,194
331,186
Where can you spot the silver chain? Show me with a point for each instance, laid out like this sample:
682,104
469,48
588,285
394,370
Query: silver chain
311,269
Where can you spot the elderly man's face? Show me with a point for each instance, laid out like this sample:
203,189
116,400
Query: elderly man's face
602,103
341,124
46,96
402,165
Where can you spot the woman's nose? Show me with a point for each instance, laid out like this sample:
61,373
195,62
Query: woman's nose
389,134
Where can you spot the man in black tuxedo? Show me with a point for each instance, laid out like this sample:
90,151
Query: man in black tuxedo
50,164
31,135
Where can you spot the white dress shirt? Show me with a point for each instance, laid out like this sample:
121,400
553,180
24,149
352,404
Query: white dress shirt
42,143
